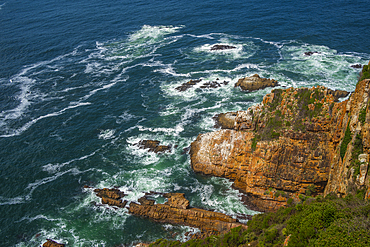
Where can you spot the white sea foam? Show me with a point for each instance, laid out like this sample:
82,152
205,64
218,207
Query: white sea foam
32,122
106,134
53,168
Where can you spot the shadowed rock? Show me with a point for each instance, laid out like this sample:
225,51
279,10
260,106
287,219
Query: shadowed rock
338,94
225,120
255,82
153,146
356,66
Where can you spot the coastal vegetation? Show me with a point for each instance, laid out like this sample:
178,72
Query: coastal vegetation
320,221
365,74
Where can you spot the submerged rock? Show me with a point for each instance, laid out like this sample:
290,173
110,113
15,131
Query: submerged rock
222,47
255,82
51,243
187,85
310,53
153,146
209,84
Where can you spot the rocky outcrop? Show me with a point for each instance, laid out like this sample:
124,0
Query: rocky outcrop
111,197
51,243
225,120
287,145
222,47
187,85
177,211
255,82
153,146
349,166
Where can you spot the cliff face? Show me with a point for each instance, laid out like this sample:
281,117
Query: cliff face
290,145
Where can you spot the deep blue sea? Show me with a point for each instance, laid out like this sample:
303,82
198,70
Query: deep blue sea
82,81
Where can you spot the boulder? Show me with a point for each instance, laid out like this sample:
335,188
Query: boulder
51,243
255,82
153,146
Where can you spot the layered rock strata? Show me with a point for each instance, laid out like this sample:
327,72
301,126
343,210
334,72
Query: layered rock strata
111,197
254,83
289,145
176,211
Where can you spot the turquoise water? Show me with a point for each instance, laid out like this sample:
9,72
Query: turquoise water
82,82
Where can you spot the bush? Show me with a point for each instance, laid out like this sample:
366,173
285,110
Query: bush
347,138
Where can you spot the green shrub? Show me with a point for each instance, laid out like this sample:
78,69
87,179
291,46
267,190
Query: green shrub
362,115
347,138
365,72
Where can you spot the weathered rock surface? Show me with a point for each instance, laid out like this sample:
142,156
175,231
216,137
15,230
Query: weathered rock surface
153,146
222,47
289,145
225,120
255,82
51,243
112,197
176,211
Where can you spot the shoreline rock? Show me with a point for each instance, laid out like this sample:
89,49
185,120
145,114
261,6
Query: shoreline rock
287,146
255,82
177,211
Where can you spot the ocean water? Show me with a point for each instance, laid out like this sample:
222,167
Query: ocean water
81,82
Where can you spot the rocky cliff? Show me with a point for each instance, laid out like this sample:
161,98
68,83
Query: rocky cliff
296,142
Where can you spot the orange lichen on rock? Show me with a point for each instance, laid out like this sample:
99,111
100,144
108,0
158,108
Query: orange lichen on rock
288,144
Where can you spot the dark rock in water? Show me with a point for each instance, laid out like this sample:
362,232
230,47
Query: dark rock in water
186,150
153,146
255,82
356,66
187,85
176,211
225,120
213,84
338,94
222,47
111,197
51,243
209,84
310,53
